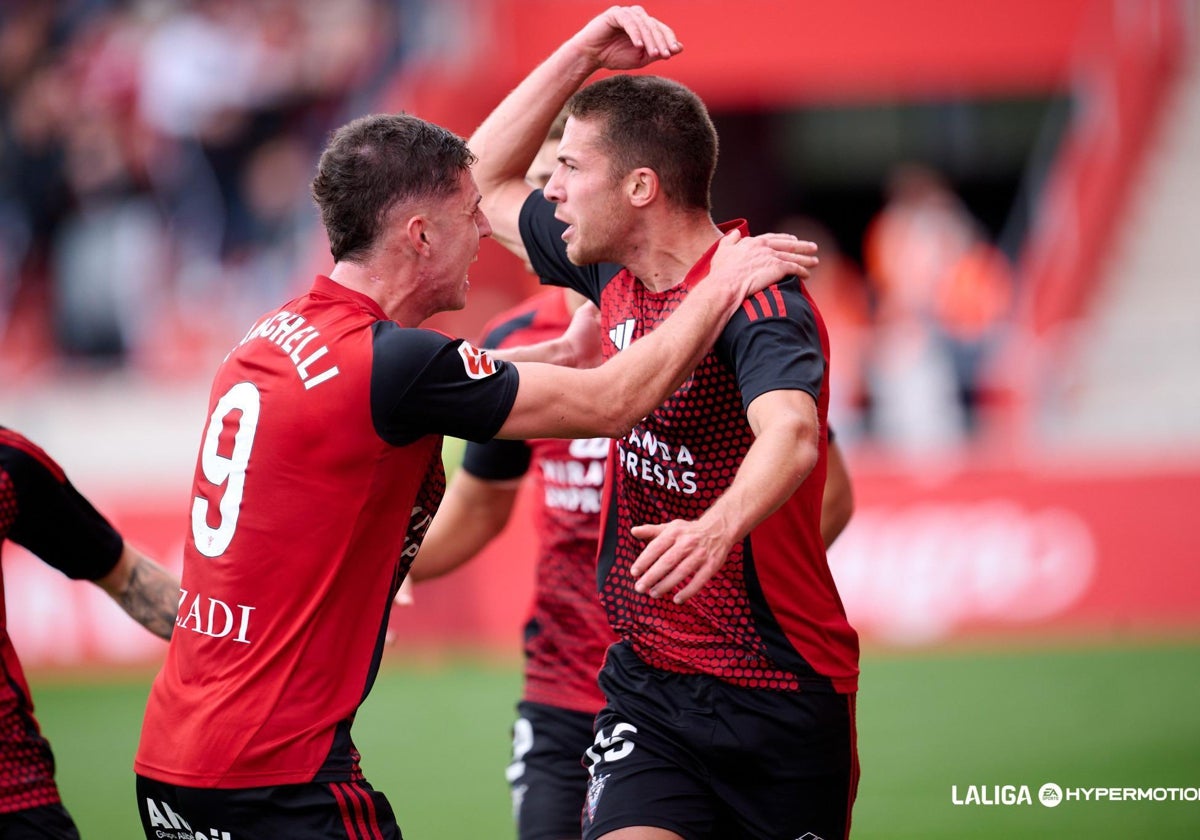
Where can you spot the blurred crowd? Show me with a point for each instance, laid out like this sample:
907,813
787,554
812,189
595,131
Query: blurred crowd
916,327
155,158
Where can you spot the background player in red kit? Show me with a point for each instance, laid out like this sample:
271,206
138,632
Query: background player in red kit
567,632
730,697
320,468
43,512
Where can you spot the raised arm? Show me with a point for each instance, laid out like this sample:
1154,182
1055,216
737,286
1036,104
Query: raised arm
608,400
145,590
620,38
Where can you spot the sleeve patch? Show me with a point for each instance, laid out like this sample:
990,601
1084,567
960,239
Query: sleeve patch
476,362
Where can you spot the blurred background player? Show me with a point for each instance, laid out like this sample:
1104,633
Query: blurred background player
567,632
42,511
712,569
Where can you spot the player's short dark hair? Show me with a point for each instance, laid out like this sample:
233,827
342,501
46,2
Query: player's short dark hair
657,123
376,162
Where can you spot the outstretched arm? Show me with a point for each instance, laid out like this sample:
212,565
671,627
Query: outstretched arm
620,38
577,347
145,590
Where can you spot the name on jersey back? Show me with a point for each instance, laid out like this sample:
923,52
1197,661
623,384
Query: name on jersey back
289,333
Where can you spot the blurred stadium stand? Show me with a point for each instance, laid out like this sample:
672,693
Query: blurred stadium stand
1131,376
1067,130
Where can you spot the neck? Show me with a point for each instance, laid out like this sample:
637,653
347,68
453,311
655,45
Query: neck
381,286
666,252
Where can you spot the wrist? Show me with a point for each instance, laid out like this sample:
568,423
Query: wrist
578,61
719,525
719,293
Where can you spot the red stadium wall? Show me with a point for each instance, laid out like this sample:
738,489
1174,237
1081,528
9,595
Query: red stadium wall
981,554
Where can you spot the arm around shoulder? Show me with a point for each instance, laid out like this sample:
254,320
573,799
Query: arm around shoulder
608,400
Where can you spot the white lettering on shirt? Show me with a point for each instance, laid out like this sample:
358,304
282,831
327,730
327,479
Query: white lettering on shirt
289,333
213,617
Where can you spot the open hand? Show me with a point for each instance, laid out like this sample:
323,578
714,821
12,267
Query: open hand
679,552
761,261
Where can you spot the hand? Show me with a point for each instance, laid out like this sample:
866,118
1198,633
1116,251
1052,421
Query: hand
761,261
626,38
583,336
404,595
678,552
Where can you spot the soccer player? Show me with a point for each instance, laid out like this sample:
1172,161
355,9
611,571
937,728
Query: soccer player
320,468
43,512
730,695
567,632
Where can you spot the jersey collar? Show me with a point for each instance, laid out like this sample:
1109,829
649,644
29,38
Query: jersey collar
700,269
331,288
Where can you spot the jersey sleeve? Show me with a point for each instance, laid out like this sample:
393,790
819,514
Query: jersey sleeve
53,520
424,383
497,460
542,235
772,343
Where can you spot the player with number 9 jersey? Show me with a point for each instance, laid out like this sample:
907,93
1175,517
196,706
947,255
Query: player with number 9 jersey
318,442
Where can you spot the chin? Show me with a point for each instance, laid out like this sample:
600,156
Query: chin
577,254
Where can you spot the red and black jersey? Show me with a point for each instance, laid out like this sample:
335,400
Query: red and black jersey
319,471
567,632
771,617
41,511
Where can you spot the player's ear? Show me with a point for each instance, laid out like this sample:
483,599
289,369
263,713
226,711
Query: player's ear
641,186
418,234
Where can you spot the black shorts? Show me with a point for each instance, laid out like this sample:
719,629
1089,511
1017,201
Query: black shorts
46,822
706,759
547,776
314,811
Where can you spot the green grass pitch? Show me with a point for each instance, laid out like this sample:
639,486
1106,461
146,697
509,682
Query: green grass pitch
434,737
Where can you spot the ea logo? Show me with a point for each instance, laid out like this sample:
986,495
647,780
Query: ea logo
1050,795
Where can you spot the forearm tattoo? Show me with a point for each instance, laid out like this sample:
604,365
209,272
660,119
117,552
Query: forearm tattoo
151,597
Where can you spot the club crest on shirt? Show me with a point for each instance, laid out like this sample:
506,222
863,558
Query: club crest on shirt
477,363
595,788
